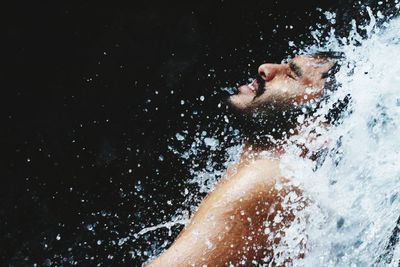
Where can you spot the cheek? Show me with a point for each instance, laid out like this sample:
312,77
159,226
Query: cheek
283,88
313,91
307,82
309,94
288,90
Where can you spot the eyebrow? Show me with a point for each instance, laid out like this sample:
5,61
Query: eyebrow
296,69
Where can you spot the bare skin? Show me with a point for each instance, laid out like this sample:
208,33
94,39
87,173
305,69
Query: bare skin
236,223
229,226
297,82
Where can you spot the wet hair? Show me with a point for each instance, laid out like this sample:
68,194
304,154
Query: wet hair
329,56
338,110
340,107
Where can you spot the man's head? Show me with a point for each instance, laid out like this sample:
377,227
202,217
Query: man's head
281,91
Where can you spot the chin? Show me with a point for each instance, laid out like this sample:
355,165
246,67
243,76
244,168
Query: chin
237,102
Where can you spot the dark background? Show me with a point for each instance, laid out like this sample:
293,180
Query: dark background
91,99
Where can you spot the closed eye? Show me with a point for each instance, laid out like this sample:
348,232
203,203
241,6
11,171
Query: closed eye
291,76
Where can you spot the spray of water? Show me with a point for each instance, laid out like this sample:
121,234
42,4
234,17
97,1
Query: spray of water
354,195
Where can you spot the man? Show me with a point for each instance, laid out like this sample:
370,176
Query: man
239,222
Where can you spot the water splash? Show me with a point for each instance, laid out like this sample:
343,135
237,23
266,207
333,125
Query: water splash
354,194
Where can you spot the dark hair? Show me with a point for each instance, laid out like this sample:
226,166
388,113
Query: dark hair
339,108
328,55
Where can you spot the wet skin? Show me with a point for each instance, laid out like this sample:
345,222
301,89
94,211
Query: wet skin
235,224
297,82
229,225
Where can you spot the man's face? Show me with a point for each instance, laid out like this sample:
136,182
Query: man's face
298,82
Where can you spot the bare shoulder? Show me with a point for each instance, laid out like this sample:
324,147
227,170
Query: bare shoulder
248,179
266,170
242,201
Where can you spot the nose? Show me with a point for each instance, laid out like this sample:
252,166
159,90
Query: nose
269,71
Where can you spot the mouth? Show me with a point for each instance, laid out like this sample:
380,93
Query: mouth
253,85
253,88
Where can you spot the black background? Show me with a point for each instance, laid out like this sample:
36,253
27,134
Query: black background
88,110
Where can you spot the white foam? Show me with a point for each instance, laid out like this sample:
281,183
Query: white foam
355,202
